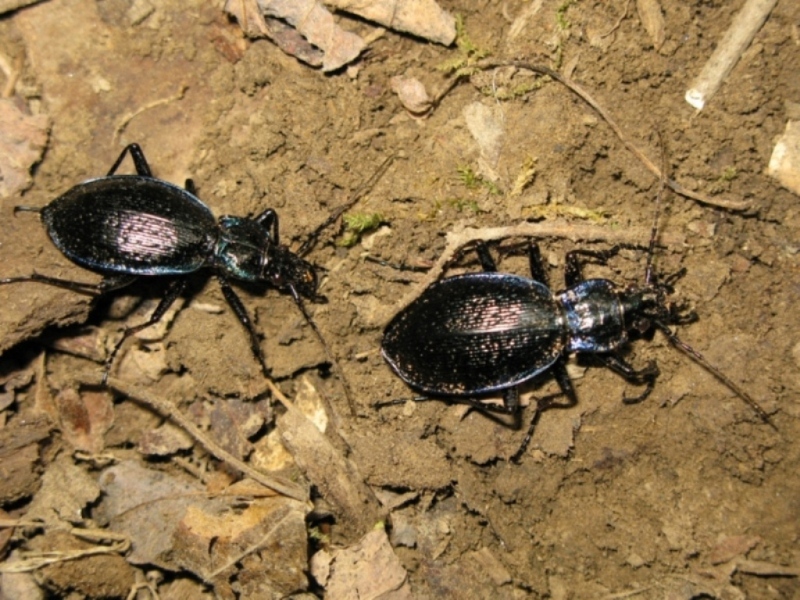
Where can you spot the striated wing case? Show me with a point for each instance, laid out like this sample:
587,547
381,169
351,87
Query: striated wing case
132,224
475,333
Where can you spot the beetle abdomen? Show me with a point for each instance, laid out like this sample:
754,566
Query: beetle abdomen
474,334
132,224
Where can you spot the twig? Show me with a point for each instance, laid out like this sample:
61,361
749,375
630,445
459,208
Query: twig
127,118
459,238
619,21
167,410
745,25
262,543
25,562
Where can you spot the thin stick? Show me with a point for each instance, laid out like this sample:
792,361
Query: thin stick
745,25
262,543
166,409
128,117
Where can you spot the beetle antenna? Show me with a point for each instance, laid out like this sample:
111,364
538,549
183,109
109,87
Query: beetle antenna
727,381
334,363
36,209
648,273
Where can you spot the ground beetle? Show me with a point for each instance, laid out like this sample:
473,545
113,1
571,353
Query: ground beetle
130,226
478,334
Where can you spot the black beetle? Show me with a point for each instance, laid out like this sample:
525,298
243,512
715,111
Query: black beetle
130,226
478,334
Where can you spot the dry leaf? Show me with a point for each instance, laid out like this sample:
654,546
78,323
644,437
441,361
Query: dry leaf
66,492
368,570
423,18
175,525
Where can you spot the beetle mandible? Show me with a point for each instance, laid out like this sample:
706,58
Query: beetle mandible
127,227
479,334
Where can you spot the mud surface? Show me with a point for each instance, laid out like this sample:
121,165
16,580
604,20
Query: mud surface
687,493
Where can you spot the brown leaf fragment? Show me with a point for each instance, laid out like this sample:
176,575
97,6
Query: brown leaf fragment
65,493
234,421
653,21
164,441
255,25
148,506
423,18
262,544
89,342
315,23
175,525
289,40
367,570
85,417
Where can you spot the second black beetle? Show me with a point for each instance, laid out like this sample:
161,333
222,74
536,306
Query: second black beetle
479,334
130,226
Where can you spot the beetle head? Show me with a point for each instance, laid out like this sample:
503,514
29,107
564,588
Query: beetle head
285,270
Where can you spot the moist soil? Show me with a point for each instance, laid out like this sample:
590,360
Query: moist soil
683,495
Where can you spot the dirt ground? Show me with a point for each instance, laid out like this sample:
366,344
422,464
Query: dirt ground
685,495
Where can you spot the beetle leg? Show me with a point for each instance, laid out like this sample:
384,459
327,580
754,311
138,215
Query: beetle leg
174,290
269,220
244,318
474,403
92,289
485,257
537,266
191,187
573,273
646,376
542,404
139,161
115,282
